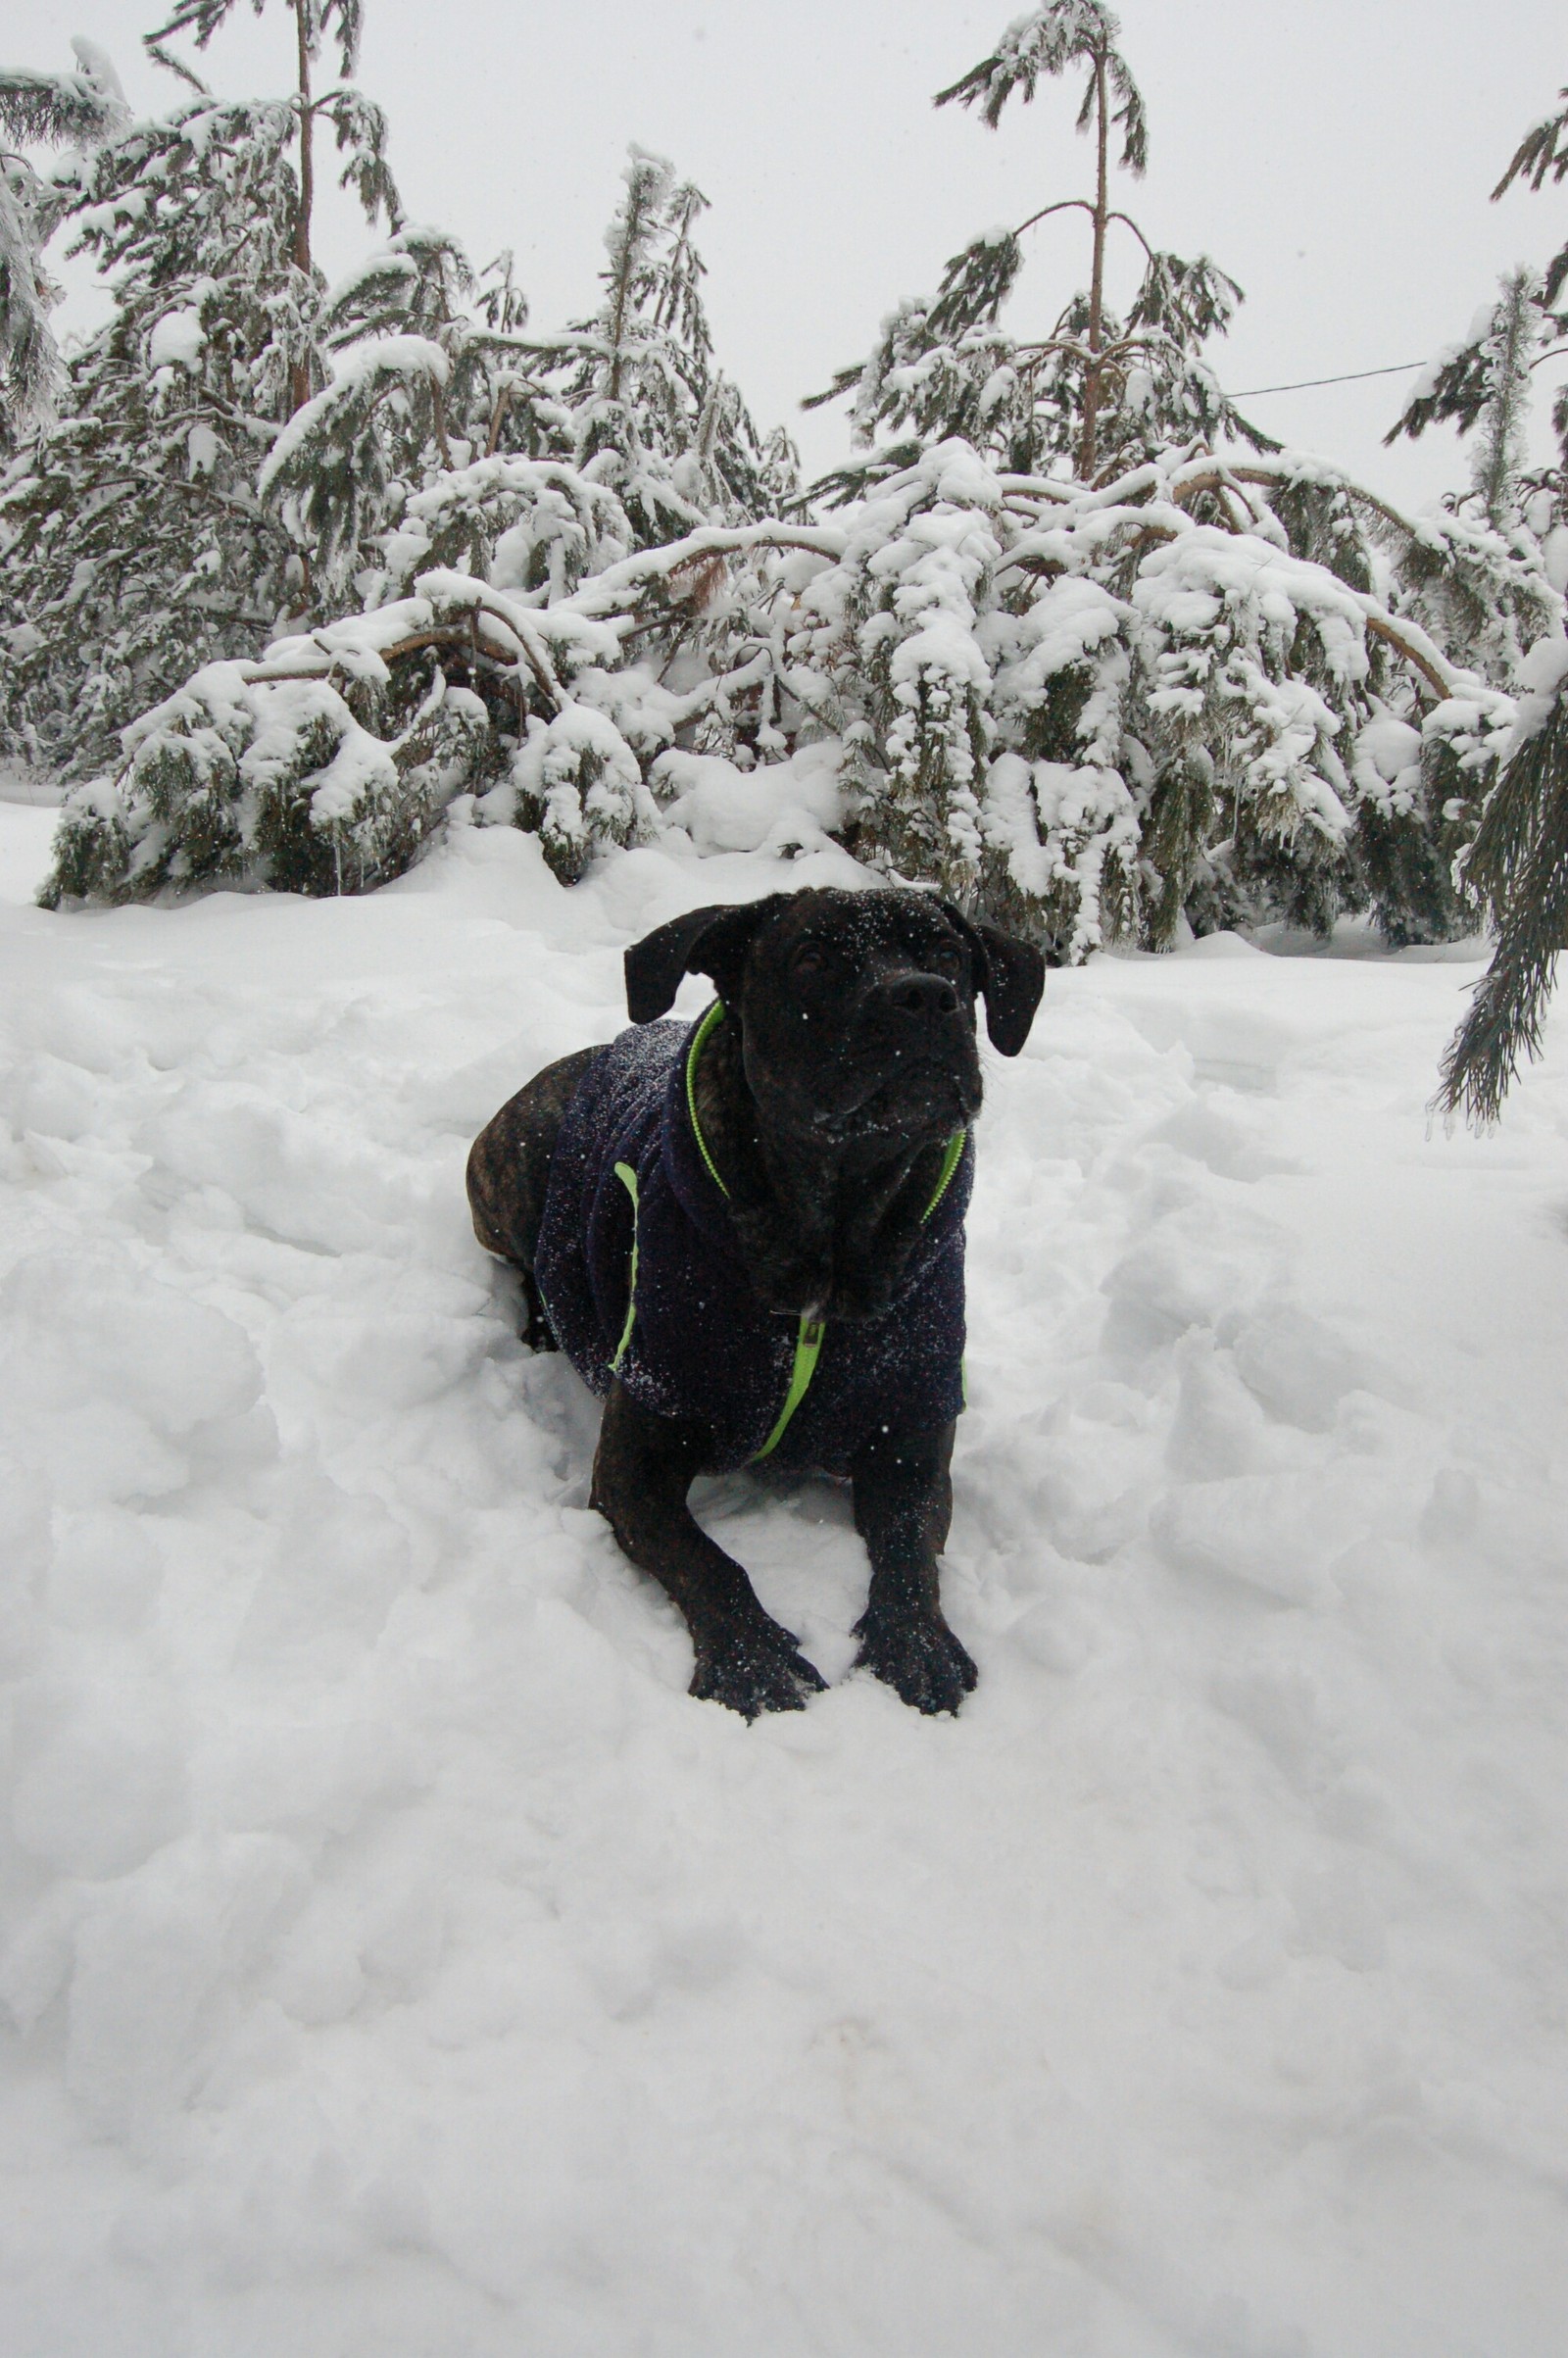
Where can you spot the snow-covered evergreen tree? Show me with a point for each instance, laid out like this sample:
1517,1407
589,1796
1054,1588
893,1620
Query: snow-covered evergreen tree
439,374
1105,713
1517,865
342,467
1483,383
360,126
1505,522
1093,393
135,543
1213,747
1513,337
644,410
40,110
1090,671
465,480
1089,713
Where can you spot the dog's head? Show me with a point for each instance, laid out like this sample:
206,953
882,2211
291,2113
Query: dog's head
856,1010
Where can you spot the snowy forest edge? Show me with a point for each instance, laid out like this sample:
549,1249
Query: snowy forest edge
290,568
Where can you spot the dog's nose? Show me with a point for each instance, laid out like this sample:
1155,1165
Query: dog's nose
923,996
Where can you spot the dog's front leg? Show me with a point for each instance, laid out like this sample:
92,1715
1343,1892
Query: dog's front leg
902,1506
642,1472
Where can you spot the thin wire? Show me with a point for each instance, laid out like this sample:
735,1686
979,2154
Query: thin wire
1308,382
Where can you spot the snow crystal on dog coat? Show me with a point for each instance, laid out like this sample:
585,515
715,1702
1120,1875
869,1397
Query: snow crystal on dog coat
641,1274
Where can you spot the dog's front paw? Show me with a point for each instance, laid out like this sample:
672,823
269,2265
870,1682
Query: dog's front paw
751,1667
918,1656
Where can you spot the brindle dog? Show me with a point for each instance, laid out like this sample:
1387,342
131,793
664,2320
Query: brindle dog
847,1060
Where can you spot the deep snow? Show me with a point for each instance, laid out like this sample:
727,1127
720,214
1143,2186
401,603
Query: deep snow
398,1963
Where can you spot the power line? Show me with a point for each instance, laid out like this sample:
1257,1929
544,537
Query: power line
1308,382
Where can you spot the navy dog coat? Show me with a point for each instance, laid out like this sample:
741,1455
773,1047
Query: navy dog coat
641,1276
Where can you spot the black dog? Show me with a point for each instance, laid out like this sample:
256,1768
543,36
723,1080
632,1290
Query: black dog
747,1236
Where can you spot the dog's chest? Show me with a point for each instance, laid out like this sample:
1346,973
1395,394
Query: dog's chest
644,1278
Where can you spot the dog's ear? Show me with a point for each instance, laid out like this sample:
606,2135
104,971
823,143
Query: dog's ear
1008,975
705,941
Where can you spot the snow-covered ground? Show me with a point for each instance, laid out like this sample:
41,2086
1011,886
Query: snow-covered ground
398,1965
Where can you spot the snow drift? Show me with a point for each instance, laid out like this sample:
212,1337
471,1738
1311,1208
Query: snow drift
396,1961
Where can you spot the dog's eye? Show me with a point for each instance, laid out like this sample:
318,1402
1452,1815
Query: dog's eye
945,958
809,959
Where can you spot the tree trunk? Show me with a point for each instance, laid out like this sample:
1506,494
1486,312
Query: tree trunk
617,312
623,266
300,373
1097,281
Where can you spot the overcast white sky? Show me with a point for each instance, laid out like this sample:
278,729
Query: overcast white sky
1334,156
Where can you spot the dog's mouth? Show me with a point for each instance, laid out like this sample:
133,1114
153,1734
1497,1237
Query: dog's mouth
924,1093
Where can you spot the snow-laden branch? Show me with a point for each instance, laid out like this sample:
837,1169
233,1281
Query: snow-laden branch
370,370
1153,502
608,591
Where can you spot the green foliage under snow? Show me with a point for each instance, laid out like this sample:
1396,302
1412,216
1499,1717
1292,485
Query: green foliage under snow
1091,715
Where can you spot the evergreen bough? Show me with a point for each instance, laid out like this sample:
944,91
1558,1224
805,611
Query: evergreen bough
1518,870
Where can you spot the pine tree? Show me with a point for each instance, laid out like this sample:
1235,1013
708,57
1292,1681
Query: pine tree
479,489
1515,335
343,466
1202,688
40,110
646,412
360,126
1515,869
1214,753
434,381
135,543
1094,394
1482,385
1489,602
